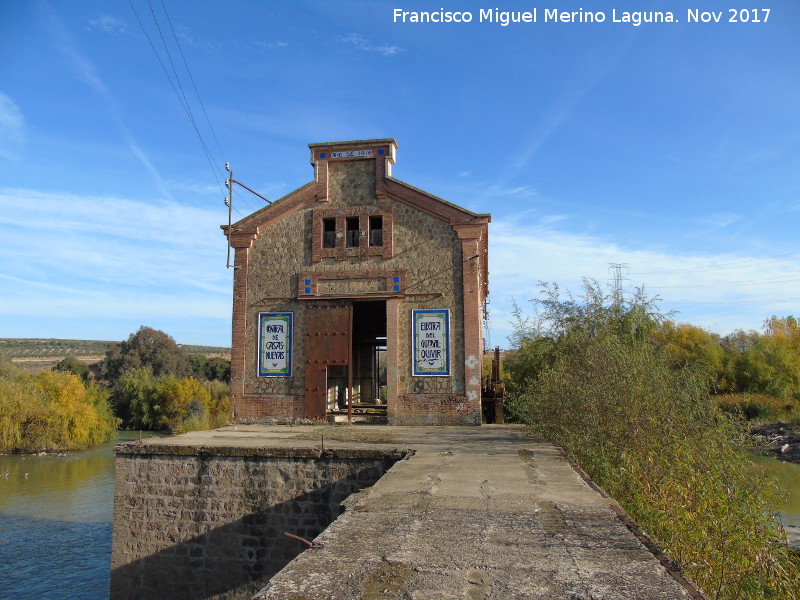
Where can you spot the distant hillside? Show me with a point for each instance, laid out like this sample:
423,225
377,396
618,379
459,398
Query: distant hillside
52,348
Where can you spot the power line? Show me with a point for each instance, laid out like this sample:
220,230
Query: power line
716,268
196,91
185,102
778,279
688,303
181,96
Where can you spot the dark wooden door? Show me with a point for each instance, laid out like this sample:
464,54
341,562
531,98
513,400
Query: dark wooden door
328,343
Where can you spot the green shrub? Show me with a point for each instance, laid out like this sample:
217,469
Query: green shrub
646,430
70,364
760,407
218,369
187,405
178,405
220,402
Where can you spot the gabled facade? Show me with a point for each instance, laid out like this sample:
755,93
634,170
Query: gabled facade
359,294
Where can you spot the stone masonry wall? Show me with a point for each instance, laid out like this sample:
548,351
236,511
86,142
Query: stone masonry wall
434,409
189,524
428,250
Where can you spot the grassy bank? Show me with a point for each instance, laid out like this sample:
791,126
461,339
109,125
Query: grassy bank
760,408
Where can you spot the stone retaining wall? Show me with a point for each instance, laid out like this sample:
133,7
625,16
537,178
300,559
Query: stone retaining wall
209,522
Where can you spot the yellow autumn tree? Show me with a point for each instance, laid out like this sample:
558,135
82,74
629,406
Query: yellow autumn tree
187,405
52,411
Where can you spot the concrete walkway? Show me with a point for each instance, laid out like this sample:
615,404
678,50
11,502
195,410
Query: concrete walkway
476,513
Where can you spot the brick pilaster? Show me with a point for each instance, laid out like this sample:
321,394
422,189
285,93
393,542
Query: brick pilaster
239,330
473,298
393,342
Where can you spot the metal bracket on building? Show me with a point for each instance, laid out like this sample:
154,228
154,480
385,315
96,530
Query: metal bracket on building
229,203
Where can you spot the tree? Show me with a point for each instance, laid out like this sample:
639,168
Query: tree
147,347
768,363
218,369
51,410
198,362
779,355
135,399
210,369
692,346
70,364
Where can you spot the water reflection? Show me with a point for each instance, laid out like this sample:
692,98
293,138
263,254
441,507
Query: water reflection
71,487
55,519
788,478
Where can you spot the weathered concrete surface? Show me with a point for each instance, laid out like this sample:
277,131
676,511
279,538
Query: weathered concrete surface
471,513
476,513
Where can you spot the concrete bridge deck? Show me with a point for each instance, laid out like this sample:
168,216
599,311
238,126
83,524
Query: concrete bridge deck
482,512
472,513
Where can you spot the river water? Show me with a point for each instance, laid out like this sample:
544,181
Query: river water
788,478
55,524
56,513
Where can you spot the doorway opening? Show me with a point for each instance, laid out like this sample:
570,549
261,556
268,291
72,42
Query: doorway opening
369,353
336,388
365,401
346,363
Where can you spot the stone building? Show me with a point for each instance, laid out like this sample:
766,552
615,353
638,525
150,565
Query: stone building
358,294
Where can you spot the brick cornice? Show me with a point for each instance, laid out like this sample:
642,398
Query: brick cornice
245,231
432,205
241,239
469,231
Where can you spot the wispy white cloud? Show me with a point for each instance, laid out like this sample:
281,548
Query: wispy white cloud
300,120
271,45
361,43
12,128
563,106
87,72
107,24
103,215
108,255
114,305
722,292
194,187
478,194
717,221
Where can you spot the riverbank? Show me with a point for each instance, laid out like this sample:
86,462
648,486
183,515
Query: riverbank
779,439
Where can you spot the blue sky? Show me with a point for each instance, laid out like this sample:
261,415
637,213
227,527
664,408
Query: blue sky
673,148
